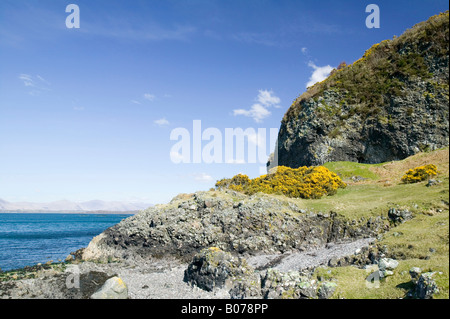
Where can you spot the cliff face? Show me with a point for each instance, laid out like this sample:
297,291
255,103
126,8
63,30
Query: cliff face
390,104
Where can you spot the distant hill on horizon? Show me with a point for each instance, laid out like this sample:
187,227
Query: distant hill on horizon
69,206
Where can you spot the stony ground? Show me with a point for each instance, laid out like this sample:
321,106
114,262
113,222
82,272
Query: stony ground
158,278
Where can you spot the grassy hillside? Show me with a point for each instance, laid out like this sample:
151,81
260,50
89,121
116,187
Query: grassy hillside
383,189
421,242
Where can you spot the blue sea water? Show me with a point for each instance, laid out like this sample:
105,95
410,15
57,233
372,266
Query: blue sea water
27,239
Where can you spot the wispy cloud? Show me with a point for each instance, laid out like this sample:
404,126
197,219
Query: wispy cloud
123,30
266,39
27,80
42,79
135,102
162,122
259,111
319,73
203,177
149,97
36,83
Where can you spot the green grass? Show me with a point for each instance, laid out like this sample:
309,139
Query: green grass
349,169
365,200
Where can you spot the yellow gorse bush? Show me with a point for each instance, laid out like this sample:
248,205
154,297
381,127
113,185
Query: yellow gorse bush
420,173
303,182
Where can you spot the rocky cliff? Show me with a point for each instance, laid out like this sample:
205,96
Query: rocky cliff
390,104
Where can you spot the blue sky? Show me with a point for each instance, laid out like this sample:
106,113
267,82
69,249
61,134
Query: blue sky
87,113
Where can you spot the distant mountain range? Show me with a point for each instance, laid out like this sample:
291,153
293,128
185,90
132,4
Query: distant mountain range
69,206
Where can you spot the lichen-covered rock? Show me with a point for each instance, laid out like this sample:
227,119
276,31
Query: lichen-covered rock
326,290
227,220
214,269
276,284
399,215
426,287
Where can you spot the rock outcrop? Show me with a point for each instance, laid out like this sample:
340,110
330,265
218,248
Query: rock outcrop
228,220
214,269
390,104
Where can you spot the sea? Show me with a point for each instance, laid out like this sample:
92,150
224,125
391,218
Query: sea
27,239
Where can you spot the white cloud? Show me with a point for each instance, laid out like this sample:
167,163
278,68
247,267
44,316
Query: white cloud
304,50
135,102
203,177
162,122
267,98
149,97
319,74
259,111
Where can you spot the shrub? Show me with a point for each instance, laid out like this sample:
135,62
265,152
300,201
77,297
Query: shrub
420,173
237,183
303,182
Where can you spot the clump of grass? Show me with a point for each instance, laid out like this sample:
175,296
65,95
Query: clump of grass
349,169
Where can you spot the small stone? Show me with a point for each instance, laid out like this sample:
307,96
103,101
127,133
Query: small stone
333,262
433,182
387,264
399,216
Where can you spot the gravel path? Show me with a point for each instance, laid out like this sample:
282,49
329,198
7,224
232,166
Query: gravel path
310,258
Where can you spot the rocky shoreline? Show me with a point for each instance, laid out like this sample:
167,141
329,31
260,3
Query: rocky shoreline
162,278
209,245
